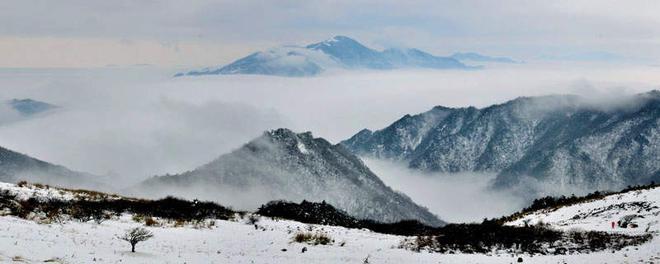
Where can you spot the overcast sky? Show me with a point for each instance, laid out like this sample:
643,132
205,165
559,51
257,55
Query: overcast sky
84,33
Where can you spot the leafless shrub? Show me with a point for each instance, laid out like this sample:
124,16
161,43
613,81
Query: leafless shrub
136,235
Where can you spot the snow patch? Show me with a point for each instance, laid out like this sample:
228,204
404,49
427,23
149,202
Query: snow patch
302,148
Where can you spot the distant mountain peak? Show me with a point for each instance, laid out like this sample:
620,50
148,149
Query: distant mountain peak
342,38
336,52
336,40
29,106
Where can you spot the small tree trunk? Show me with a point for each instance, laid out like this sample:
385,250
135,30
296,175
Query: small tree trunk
132,247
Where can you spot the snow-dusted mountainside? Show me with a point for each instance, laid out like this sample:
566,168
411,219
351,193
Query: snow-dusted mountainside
15,166
337,52
351,53
284,165
476,57
37,237
283,61
566,141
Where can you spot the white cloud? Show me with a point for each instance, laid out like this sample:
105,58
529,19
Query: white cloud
112,123
7,113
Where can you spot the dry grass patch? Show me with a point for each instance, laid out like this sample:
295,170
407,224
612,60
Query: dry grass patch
317,238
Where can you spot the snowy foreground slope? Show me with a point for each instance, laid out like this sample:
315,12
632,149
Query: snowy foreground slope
641,205
238,241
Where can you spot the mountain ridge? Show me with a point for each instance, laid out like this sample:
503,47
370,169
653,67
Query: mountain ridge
553,139
15,167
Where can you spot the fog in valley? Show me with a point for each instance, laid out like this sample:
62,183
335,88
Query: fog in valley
458,197
128,124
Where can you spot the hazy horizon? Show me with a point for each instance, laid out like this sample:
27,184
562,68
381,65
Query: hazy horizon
209,33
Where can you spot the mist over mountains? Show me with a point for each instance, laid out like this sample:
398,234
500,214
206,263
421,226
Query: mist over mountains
284,165
172,125
557,144
539,145
476,57
15,167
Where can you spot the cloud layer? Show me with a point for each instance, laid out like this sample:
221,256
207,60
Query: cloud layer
459,197
139,121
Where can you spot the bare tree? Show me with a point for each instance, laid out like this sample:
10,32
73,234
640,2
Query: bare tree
136,235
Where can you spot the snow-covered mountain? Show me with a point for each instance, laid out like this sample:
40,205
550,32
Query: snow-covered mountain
337,52
564,142
466,57
15,167
284,165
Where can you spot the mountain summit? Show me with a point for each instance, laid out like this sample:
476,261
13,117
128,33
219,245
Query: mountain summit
351,53
285,165
336,52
